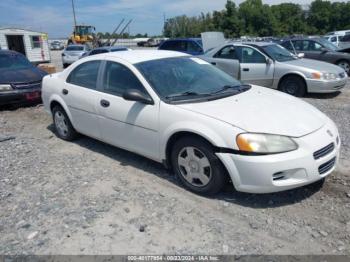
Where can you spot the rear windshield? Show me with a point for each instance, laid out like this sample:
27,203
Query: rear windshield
75,48
14,61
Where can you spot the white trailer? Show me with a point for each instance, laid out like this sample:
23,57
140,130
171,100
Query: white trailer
34,45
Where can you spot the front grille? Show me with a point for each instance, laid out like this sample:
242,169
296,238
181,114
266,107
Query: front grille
324,168
324,151
36,84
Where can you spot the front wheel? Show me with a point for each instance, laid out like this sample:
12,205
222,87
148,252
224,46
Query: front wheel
197,167
345,65
293,85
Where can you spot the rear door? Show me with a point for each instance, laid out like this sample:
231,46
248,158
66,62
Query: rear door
126,124
227,60
254,66
81,96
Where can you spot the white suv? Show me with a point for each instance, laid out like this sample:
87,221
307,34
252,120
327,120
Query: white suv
204,124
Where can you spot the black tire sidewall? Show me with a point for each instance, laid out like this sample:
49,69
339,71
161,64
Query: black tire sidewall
71,134
219,177
300,92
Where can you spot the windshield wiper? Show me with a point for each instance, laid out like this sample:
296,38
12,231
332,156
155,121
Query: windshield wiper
237,88
187,93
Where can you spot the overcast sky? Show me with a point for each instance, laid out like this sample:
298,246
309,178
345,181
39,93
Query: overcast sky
55,16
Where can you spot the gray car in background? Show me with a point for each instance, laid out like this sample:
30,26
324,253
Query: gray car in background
73,53
271,65
319,49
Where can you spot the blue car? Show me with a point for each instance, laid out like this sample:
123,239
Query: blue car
20,81
192,46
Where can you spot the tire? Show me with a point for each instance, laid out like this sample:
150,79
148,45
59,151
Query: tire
194,160
63,126
293,85
345,65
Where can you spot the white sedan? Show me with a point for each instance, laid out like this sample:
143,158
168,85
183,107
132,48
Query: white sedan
204,124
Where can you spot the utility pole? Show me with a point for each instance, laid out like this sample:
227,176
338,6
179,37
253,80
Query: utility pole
75,20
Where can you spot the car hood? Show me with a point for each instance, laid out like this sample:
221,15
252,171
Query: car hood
263,110
28,75
316,65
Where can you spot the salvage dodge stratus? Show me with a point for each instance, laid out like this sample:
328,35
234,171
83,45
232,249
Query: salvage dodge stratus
191,116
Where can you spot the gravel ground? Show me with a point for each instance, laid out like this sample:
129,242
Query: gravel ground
87,197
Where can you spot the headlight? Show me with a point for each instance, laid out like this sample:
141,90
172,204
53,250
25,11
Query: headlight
5,87
329,76
265,143
324,76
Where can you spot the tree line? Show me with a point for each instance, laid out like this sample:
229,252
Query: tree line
253,18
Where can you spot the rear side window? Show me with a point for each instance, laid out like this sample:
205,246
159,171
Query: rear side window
85,75
174,46
228,52
193,47
345,38
118,78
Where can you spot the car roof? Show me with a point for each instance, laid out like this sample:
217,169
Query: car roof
109,48
76,45
259,44
184,39
138,56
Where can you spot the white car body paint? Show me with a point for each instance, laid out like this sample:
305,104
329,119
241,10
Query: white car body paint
146,129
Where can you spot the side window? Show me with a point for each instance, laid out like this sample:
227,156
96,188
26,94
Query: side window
298,45
118,78
169,45
193,47
312,46
181,46
251,56
85,75
228,52
98,51
288,45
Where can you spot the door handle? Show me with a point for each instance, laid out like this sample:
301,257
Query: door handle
65,91
213,63
104,103
245,69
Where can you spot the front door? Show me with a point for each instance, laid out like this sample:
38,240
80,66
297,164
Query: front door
254,66
226,60
127,124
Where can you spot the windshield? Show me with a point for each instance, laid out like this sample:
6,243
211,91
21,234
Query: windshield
279,53
184,78
14,61
74,48
328,44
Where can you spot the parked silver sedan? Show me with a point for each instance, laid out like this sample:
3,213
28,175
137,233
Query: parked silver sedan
271,65
72,53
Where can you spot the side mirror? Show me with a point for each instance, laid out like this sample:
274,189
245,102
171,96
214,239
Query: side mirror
301,55
137,96
269,61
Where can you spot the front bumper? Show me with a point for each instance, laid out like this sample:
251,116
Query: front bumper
28,95
279,172
322,86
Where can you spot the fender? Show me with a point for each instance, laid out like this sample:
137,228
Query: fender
191,127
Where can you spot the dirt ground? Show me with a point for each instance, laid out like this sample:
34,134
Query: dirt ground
87,197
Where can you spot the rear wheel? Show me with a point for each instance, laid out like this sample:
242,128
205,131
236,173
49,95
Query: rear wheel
293,85
197,167
63,126
345,65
